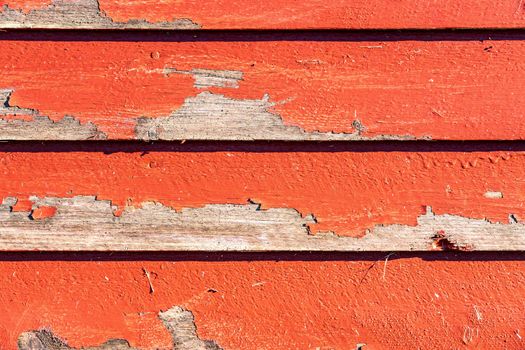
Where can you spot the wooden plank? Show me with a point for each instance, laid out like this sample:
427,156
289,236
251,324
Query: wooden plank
257,301
287,14
237,90
244,201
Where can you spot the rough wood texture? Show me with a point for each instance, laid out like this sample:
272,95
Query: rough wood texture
330,201
288,14
235,90
273,301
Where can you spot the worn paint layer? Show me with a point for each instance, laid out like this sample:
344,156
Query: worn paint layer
75,14
289,14
217,90
84,223
347,192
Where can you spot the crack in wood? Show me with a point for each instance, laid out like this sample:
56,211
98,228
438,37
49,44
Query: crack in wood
80,14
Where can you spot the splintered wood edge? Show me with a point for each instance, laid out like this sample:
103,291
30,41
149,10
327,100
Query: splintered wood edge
84,223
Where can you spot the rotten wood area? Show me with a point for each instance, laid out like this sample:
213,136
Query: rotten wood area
193,89
262,201
236,14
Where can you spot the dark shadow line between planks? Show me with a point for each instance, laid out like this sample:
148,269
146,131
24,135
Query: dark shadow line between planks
110,147
351,35
275,256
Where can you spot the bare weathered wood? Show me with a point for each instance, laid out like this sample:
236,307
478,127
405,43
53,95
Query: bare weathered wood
84,223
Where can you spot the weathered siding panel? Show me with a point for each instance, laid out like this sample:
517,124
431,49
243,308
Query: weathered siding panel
287,14
263,90
257,201
269,301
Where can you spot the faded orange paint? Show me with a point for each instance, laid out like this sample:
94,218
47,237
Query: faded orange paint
436,89
290,14
347,192
302,303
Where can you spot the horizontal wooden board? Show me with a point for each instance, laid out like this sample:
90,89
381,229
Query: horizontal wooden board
268,301
261,201
269,90
288,14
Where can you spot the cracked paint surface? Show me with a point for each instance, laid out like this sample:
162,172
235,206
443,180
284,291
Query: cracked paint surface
177,320
348,192
311,14
78,14
402,89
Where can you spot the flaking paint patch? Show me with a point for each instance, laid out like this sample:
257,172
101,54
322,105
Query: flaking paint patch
177,320
210,116
85,223
41,127
79,14
181,324
493,195
205,78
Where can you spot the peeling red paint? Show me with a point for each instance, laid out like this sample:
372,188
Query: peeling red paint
44,212
22,205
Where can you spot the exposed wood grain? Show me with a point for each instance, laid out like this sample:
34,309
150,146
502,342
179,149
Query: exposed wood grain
341,201
235,90
288,14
